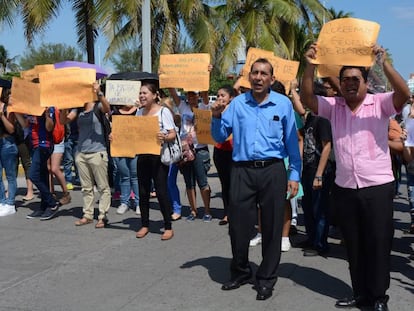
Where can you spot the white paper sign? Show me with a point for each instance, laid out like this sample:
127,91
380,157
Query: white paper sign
122,92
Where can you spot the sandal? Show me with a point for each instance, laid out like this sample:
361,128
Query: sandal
27,199
175,217
101,223
142,232
83,221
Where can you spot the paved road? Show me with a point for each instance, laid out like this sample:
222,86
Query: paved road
56,266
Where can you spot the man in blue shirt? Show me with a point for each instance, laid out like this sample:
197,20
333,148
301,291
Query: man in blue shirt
264,132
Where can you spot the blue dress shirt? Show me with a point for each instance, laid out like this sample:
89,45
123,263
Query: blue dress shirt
260,131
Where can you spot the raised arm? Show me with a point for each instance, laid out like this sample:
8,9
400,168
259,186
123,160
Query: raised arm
401,90
307,96
297,104
174,95
49,122
67,116
105,106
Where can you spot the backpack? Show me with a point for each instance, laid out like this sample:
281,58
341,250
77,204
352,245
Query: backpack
59,129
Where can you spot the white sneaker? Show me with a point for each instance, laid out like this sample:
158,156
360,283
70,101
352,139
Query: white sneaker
6,209
256,240
138,211
122,209
285,244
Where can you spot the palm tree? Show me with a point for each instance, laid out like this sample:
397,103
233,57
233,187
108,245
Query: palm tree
37,14
8,11
7,62
270,24
170,20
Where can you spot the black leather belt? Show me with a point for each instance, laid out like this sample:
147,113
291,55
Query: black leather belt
257,163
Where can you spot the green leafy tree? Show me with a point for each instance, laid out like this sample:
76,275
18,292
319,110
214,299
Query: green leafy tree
169,20
7,63
129,59
49,53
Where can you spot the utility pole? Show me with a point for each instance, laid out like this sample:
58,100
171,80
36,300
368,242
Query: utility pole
146,36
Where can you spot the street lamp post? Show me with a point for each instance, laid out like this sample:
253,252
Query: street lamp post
146,36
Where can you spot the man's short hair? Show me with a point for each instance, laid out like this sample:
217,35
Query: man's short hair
263,61
364,71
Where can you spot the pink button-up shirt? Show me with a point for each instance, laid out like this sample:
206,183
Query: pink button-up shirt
360,139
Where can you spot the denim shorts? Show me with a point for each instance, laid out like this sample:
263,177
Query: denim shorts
59,148
197,170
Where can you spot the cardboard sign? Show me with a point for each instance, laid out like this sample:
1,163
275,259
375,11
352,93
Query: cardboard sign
67,87
25,97
122,92
324,71
187,71
132,135
347,41
203,126
33,73
284,70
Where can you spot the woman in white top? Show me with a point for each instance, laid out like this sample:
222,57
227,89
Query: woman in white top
150,166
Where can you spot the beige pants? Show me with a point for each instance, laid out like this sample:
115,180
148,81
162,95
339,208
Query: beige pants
93,169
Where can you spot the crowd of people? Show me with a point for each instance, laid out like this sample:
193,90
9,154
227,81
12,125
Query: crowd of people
318,146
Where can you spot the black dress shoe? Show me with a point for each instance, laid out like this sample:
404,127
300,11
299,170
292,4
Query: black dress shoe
236,282
310,252
381,304
263,292
353,302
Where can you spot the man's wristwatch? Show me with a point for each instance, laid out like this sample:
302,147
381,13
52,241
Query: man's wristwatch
100,94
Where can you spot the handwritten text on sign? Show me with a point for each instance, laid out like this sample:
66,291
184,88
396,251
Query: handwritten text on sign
187,71
347,41
132,135
122,92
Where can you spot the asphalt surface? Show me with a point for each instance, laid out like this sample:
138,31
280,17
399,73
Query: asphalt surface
53,265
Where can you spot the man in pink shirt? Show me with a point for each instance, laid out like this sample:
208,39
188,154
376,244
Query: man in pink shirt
364,185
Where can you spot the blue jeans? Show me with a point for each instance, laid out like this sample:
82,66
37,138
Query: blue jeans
315,205
69,160
39,175
173,191
128,180
8,162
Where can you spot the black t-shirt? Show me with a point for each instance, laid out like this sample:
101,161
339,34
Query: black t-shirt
316,130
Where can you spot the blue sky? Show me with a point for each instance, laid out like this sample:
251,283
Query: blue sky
396,18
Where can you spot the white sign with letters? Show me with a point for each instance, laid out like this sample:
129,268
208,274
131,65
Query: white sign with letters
122,92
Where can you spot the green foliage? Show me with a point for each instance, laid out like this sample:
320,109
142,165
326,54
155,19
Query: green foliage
127,60
9,75
7,63
49,53
217,80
